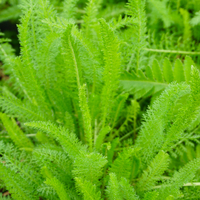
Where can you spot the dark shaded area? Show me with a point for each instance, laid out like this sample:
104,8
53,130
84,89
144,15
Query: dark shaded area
10,30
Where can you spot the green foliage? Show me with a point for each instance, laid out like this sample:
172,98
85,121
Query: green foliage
71,111
69,10
156,78
87,189
160,11
196,19
136,9
56,184
184,175
68,140
156,168
111,69
4,197
9,10
151,195
19,165
120,190
86,116
113,189
15,133
122,164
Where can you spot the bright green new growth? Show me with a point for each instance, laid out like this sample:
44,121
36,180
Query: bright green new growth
56,184
15,133
87,189
75,102
86,116
162,128
14,164
156,168
123,164
120,190
111,69
136,9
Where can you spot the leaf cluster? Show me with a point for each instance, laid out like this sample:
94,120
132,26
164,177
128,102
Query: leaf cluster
77,91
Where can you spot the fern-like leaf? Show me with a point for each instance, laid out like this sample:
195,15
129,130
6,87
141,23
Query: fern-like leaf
88,190
185,174
136,9
152,82
113,188
72,68
155,169
89,167
16,134
58,163
68,140
111,70
151,196
15,107
86,116
122,165
56,184
151,136
86,165
127,190
101,136
19,173
120,190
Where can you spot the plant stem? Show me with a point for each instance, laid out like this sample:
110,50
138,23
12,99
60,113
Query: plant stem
172,51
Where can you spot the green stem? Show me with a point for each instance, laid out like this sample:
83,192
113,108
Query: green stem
128,134
172,51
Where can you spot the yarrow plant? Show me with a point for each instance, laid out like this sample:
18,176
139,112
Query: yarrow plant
72,97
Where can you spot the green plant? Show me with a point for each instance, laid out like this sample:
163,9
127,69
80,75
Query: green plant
9,10
70,103
157,77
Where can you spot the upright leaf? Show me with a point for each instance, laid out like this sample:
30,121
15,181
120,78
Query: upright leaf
16,134
111,70
179,71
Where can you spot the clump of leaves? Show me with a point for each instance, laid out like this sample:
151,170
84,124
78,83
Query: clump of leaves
65,105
